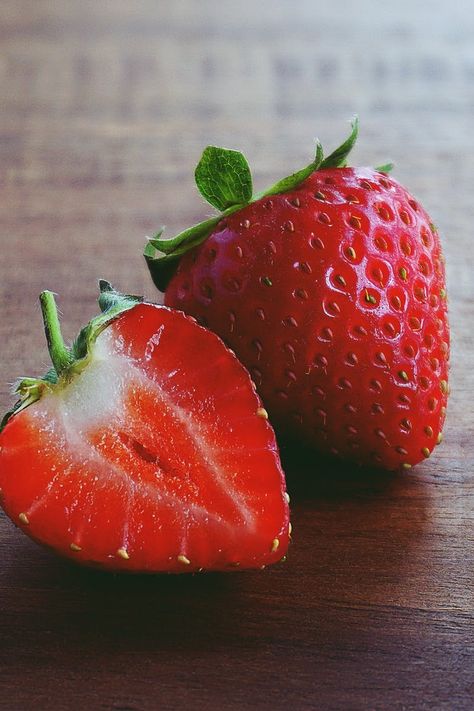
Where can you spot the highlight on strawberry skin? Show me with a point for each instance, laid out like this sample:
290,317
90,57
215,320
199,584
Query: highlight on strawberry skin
144,448
330,288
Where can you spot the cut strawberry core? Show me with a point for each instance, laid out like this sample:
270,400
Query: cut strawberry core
155,457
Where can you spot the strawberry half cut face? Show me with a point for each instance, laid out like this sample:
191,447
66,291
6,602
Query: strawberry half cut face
151,453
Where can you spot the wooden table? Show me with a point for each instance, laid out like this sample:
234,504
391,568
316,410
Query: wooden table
105,109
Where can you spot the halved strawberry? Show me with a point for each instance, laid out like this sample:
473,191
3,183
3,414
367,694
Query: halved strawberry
145,448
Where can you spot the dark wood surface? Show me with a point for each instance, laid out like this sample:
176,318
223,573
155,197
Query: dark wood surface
105,107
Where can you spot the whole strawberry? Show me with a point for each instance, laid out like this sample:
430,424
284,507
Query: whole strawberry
330,288
144,448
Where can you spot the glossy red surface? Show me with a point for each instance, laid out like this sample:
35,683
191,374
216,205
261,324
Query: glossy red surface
333,296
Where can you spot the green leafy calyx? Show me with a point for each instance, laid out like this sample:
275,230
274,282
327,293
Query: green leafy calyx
223,178
68,361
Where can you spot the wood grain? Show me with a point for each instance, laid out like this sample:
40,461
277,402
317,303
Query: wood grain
105,109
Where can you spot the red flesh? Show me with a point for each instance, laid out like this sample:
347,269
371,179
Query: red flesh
175,466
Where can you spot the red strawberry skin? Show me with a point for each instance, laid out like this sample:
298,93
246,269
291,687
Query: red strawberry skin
333,296
156,457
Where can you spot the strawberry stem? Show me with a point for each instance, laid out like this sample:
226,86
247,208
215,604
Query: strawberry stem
68,362
60,354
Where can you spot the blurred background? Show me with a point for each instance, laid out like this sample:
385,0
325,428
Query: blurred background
106,107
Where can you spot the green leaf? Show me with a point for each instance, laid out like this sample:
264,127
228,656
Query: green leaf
30,390
167,246
386,168
224,180
223,177
163,263
293,180
162,268
109,297
162,255
337,158
112,303
6,417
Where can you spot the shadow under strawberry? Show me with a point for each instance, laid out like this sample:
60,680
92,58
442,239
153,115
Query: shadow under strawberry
312,474
354,560
97,610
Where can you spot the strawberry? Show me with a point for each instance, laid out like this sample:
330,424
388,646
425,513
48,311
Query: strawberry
330,288
145,448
